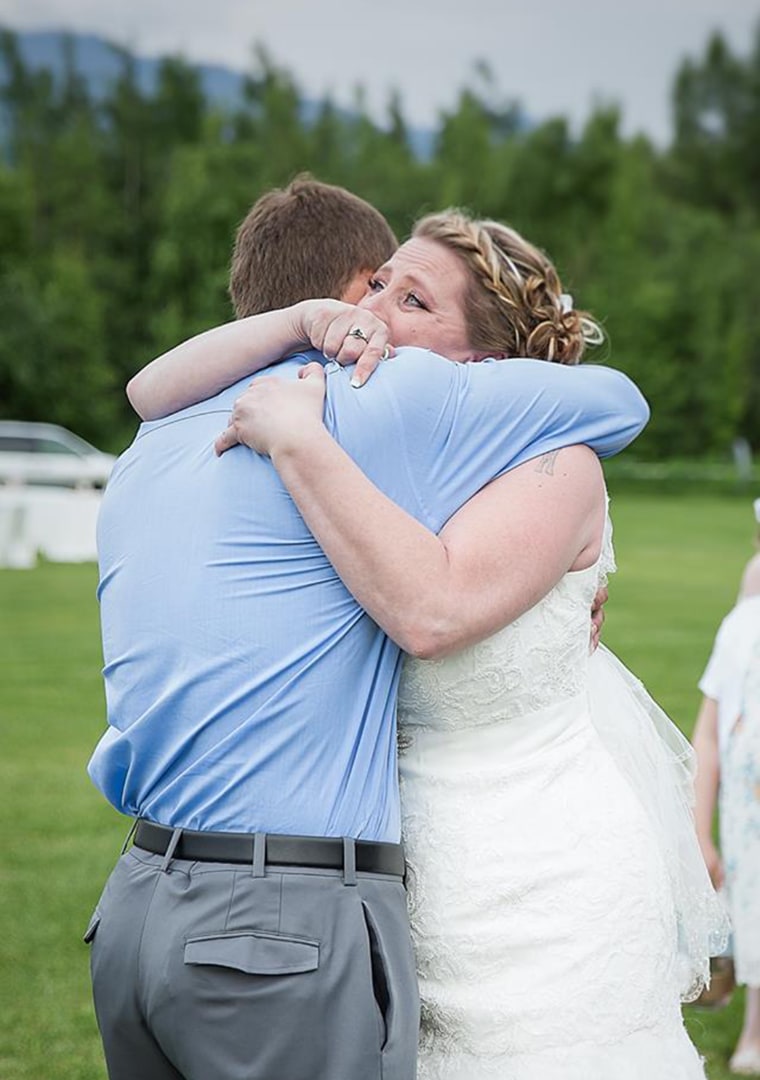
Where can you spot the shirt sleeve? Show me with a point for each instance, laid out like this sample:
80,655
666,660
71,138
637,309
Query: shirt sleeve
711,682
726,668
598,406
458,426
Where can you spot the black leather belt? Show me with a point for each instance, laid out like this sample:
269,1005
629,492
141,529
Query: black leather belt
319,852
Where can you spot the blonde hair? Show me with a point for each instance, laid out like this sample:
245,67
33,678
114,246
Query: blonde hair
514,303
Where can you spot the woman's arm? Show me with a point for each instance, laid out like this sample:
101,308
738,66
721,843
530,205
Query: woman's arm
209,362
707,783
496,558
432,594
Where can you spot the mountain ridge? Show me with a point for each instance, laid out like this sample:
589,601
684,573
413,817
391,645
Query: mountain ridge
100,62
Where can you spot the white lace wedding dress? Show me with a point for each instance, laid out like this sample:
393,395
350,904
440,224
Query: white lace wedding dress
541,902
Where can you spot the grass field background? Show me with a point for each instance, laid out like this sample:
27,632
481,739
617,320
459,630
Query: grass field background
679,557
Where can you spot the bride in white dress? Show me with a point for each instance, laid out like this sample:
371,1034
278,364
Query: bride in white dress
541,902
559,904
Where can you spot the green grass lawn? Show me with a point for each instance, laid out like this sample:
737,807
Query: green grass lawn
679,564
680,559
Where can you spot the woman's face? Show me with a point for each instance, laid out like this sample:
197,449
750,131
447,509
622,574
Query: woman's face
419,294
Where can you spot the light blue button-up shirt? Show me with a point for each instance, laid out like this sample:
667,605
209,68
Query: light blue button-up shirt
246,689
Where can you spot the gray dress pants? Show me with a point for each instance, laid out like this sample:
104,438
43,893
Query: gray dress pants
203,971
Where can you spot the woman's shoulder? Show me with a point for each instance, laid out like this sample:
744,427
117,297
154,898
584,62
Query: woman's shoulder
750,585
742,621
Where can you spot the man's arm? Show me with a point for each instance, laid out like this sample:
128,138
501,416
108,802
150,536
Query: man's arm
506,412
451,428
494,560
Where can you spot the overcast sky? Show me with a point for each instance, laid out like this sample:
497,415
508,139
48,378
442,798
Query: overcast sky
557,57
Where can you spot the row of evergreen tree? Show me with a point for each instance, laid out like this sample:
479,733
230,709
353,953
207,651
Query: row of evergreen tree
117,215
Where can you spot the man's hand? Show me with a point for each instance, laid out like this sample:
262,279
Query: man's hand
347,334
276,414
597,615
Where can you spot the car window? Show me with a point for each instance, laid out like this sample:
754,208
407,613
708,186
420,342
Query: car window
14,444
50,446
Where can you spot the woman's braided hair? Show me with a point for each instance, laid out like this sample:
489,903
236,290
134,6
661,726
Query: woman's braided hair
514,304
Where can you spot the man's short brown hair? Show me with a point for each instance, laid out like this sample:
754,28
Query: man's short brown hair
302,242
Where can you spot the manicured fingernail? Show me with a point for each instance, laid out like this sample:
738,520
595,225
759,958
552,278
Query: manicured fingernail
356,383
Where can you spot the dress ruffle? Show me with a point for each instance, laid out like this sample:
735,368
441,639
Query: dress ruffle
659,763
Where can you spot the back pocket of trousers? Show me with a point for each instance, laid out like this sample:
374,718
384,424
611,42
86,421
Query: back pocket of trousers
254,952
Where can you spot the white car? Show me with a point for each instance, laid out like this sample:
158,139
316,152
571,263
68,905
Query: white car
47,454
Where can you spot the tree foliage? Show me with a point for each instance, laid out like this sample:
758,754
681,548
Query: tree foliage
117,215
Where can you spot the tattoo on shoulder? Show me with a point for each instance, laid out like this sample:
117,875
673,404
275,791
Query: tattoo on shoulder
545,464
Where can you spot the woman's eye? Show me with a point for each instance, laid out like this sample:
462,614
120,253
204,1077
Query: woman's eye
414,300
374,284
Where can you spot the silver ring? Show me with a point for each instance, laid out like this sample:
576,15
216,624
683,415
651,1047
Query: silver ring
386,353
357,332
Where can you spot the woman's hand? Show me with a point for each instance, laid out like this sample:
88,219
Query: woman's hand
347,334
276,414
207,363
